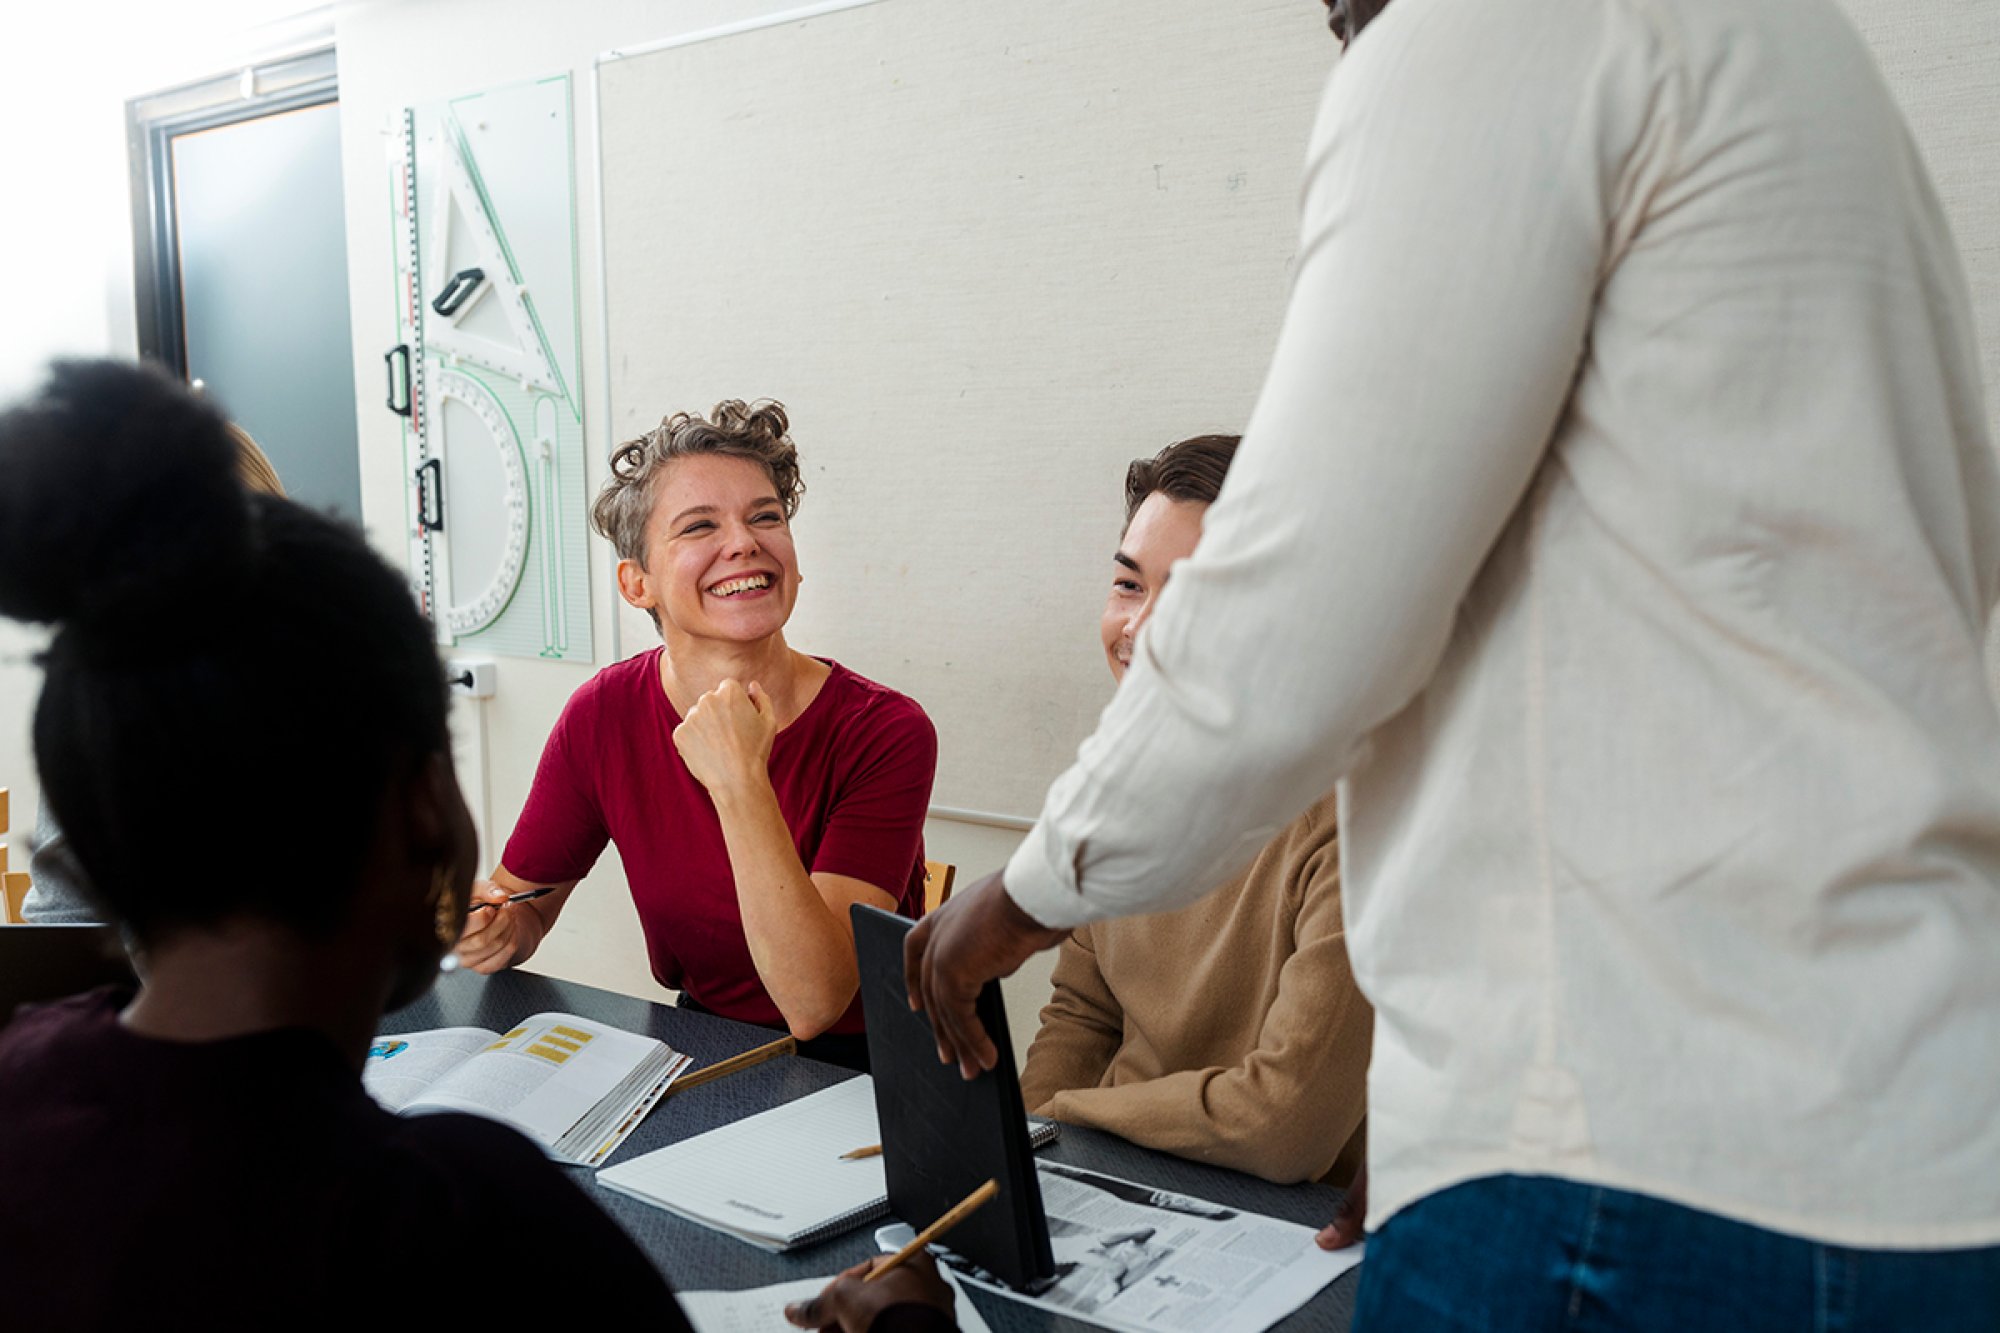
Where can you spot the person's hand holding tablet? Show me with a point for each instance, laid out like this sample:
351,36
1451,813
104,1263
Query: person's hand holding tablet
976,937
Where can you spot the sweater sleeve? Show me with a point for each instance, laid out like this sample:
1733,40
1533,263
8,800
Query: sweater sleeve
1285,1112
55,878
1082,1026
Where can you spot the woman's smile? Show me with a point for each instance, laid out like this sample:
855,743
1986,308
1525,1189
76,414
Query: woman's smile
744,585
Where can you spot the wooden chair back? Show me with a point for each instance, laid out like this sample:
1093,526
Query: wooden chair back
938,876
13,883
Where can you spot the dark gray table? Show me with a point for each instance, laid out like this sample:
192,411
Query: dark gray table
694,1258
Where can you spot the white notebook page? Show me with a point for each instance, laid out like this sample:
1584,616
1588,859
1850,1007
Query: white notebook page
776,1174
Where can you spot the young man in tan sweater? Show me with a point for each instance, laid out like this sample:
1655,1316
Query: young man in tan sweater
1230,1032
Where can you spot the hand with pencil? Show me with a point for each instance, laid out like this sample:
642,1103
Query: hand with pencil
852,1302
503,924
907,1278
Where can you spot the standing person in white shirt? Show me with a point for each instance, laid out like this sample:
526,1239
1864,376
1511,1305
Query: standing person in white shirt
1619,520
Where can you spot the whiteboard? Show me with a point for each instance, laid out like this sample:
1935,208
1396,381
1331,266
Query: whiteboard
986,255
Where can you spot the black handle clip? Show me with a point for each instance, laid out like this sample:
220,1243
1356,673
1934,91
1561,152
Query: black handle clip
403,381
430,498
462,285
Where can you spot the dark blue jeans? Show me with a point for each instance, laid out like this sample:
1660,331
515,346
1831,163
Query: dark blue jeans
1526,1254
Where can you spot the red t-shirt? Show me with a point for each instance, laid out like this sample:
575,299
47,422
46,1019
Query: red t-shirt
853,778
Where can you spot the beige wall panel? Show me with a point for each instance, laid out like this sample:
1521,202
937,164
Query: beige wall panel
986,255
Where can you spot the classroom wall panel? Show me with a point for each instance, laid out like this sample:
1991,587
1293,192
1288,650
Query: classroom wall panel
986,255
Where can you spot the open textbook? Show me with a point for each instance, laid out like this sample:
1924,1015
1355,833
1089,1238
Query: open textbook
1131,1257
778,1179
573,1086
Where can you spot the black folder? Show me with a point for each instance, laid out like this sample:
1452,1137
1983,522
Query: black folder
944,1137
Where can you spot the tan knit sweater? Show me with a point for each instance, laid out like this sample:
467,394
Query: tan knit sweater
1229,1032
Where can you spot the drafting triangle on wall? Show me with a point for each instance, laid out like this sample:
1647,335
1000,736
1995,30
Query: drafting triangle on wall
485,370
491,325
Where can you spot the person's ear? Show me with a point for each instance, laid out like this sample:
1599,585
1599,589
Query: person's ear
634,585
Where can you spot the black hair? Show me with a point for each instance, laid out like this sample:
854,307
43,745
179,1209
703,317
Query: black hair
1188,470
234,681
1348,17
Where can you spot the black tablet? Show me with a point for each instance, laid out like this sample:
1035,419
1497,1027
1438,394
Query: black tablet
944,1137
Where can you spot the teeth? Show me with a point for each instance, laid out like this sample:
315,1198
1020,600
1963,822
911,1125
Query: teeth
746,584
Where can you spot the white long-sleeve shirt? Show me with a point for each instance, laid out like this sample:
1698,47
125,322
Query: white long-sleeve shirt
1619,519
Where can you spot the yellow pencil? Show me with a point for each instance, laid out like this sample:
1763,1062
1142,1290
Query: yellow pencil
724,1068
966,1208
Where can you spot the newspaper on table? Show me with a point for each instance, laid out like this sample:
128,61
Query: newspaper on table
1132,1257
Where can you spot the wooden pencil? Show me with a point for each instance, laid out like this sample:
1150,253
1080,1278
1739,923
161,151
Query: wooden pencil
724,1068
966,1207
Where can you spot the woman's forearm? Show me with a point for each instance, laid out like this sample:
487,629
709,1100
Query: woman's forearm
802,948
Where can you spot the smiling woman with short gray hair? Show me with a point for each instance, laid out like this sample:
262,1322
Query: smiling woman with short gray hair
754,792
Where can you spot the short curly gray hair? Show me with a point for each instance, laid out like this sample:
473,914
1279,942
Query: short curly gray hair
754,431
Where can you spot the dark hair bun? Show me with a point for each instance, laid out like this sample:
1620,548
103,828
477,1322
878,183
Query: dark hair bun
118,490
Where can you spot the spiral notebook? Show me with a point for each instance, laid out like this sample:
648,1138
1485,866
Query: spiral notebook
777,1179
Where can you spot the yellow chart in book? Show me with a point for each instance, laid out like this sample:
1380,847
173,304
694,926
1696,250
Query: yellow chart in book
555,1043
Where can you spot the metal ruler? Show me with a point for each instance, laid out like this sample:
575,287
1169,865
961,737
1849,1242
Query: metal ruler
426,478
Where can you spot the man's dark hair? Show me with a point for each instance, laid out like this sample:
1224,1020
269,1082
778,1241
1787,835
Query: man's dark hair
1190,470
1348,17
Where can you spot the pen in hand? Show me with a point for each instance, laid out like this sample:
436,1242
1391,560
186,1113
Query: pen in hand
513,898
449,963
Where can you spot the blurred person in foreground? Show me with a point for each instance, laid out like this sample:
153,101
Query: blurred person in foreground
203,1150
